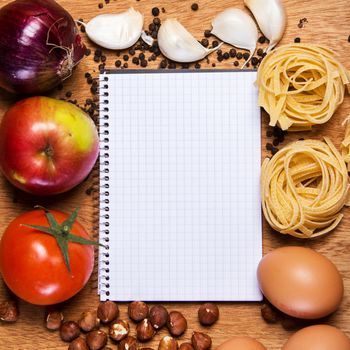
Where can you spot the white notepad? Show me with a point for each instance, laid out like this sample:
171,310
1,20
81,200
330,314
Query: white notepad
179,200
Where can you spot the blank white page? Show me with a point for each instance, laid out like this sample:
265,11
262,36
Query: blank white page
184,217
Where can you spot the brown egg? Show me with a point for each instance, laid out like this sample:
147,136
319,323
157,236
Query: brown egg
300,282
241,343
320,337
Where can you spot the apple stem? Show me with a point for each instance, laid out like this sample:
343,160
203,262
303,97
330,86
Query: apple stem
49,151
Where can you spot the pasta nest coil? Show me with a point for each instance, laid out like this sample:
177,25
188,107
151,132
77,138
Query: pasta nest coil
304,186
301,86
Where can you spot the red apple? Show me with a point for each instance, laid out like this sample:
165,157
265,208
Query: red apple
47,146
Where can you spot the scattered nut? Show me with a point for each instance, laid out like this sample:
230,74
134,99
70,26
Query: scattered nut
96,340
137,311
89,321
53,320
78,344
186,346
201,341
168,343
107,311
69,331
290,323
9,311
129,343
158,316
145,330
269,313
176,324
119,330
208,314
146,349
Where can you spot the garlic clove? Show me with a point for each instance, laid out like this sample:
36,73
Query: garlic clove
116,31
147,38
177,44
235,27
271,18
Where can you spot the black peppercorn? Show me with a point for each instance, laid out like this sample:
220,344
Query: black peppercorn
255,61
233,53
194,7
155,11
207,33
262,39
205,42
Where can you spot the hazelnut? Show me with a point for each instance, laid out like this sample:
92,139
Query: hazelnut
9,311
89,321
96,340
69,331
186,346
53,320
145,330
129,343
269,313
107,311
78,344
158,316
168,343
201,341
208,314
176,324
119,330
137,311
290,323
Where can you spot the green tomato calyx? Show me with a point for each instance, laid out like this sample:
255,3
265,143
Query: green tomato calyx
62,234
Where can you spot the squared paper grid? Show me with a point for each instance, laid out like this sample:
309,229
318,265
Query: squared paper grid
185,217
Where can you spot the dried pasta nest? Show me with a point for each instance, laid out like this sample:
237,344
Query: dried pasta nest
304,186
301,86
345,146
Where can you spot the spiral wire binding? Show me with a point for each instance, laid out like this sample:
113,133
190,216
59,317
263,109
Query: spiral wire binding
103,283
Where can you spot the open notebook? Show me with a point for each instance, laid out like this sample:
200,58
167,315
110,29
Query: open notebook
179,200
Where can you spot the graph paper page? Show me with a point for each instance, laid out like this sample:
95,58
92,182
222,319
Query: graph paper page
184,203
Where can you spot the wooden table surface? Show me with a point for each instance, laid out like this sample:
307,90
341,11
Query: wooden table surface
328,24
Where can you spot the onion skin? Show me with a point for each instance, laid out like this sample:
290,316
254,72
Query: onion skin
28,64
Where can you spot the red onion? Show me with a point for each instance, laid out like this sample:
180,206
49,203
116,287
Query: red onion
39,46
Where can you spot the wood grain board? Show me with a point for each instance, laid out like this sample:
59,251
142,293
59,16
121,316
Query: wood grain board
328,24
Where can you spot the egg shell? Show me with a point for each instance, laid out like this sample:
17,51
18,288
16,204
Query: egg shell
240,343
319,337
300,282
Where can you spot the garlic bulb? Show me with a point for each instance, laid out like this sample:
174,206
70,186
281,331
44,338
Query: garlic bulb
116,31
235,27
271,17
177,44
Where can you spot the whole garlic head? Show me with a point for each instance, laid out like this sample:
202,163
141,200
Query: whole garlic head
177,44
271,18
116,31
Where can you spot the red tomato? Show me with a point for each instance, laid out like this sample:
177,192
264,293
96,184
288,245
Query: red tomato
32,264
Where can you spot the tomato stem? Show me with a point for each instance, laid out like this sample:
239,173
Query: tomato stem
62,233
